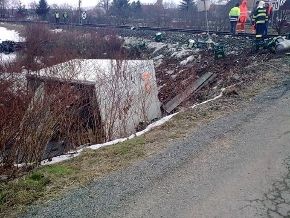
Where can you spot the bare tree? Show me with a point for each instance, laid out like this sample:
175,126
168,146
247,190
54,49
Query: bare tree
33,5
105,4
280,21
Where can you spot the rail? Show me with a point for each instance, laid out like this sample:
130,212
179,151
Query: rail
128,27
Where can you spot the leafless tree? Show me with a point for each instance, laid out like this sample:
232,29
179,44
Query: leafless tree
280,21
105,4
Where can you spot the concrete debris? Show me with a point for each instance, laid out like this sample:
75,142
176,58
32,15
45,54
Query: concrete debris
170,72
187,60
157,47
181,54
182,58
191,43
158,57
158,60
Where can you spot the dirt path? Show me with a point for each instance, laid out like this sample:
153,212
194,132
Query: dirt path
237,166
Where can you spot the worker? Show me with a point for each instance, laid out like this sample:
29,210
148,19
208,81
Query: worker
260,18
65,16
57,17
234,17
243,16
269,10
253,27
254,9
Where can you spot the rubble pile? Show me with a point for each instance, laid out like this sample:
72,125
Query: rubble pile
180,59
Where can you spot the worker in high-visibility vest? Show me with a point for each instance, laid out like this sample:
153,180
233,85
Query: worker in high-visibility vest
234,17
243,16
260,18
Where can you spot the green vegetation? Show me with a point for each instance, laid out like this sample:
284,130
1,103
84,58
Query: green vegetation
50,181
16,194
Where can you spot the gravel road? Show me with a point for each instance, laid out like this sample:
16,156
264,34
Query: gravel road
237,166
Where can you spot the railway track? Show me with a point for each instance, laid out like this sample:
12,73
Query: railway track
158,29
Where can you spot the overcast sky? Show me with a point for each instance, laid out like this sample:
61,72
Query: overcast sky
85,3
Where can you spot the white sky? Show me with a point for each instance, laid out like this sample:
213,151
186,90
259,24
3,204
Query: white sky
92,3
85,3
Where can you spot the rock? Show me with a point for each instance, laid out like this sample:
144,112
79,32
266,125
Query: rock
284,209
173,76
273,214
158,62
169,72
280,185
191,43
181,54
286,196
278,200
187,60
232,91
271,196
157,47
3,177
236,77
288,182
158,57
269,205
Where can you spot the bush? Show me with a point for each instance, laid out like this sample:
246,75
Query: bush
33,115
46,48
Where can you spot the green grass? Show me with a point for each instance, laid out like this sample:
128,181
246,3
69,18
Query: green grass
48,182
57,170
16,194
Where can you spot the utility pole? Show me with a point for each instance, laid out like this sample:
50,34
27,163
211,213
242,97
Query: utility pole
80,12
206,17
2,8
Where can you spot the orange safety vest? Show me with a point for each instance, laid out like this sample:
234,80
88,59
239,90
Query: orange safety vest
244,11
243,16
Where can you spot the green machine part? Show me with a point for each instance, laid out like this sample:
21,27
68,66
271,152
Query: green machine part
159,37
219,51
270,43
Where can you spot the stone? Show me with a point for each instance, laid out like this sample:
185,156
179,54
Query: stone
280,185
3,177
284,209
269,205
273,214
236,76
287,181
286,196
